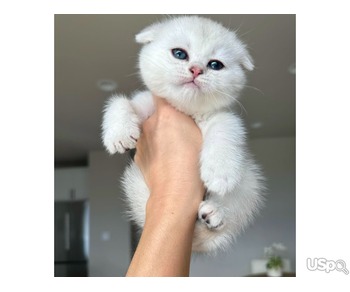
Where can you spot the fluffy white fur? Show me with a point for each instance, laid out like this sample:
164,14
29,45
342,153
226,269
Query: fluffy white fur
231,177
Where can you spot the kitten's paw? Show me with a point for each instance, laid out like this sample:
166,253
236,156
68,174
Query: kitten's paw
211,215
120,127
122,140
217,179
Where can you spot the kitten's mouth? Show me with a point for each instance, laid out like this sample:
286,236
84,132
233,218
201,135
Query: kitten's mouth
192,83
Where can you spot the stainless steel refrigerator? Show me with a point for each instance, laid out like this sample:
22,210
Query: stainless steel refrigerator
71,239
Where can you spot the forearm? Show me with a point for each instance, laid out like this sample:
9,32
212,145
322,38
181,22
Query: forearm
166,242
168,157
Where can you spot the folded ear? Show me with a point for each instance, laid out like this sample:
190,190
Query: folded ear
247,61
148,34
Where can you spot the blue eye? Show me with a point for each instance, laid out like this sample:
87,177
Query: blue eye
179,54
215,65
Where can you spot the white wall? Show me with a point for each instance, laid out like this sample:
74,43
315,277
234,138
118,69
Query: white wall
276,222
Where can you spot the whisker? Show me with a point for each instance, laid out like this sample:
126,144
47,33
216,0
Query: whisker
236,31
255,88
133,74
235,100
249,31
241,107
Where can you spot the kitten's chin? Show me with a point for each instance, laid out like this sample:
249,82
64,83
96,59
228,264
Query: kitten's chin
191,99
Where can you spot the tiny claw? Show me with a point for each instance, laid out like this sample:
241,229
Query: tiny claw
205,216
133,138
125,149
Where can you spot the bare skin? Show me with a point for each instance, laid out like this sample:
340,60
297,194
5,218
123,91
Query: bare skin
168,156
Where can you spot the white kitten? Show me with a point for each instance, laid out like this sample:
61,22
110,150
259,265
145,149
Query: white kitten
197,65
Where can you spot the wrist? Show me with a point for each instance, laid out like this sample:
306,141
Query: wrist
166,210
176,203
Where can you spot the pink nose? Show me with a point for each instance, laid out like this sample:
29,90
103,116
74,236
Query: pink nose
196,71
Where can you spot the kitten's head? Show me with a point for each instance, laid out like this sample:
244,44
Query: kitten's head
193,62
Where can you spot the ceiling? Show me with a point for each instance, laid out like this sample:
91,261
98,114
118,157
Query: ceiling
89,48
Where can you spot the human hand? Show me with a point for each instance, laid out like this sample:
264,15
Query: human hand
168,155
